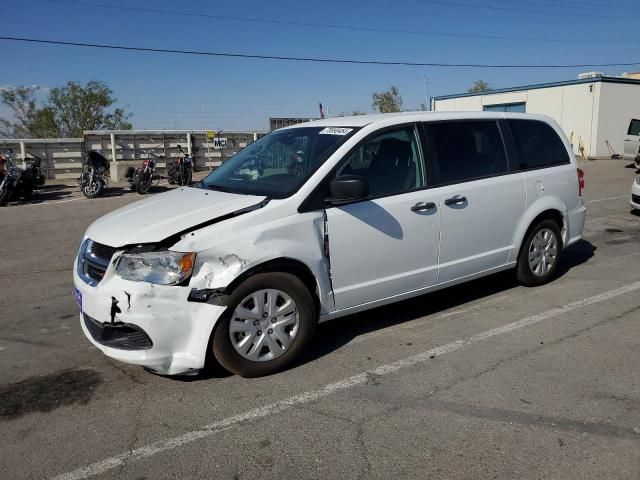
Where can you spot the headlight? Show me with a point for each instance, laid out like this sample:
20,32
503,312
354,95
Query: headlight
638,180
162,268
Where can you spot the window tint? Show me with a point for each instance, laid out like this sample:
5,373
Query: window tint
538,144
634,127
389,162
461,151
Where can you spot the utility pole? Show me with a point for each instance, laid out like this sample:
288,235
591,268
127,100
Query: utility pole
204,117
426,93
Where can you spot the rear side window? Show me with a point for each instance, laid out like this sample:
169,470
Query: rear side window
462,151
538,144
634,127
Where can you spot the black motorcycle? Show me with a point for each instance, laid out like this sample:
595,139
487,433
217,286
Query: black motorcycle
141,179
180,169
92,180
17,182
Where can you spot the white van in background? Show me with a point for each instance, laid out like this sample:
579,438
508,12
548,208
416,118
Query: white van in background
632,142
318,221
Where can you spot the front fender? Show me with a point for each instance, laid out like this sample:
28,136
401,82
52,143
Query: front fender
300,240
541,205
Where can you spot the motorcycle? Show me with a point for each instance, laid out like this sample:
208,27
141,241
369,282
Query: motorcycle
16,182
180,170
92,180
141,179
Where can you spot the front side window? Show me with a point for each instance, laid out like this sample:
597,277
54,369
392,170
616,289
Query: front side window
278,164
462,151
634,127
391,163
538,144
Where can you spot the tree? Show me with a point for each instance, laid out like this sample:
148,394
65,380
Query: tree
479,86
30,120
77,108
353,113
387,102
69,111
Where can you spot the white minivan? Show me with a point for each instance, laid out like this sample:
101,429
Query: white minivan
321,220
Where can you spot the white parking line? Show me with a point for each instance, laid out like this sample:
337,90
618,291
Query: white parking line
313,395
606,199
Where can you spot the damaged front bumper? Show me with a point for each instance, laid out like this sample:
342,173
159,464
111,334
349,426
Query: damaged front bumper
145,324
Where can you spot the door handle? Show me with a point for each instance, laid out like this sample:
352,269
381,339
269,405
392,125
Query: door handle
457,200
420,206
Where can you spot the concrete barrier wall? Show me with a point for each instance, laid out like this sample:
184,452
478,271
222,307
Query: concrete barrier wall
62,157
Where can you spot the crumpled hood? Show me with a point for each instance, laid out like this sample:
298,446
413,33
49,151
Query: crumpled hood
161,215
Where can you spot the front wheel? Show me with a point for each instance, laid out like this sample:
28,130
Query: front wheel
93,187
5,194
540,254
187,176
269,322
143,184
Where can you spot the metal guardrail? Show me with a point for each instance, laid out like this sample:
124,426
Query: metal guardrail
62,157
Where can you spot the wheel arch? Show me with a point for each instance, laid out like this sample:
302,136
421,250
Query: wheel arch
283,265
546,208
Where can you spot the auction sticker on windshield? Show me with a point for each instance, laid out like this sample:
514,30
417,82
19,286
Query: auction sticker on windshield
335,131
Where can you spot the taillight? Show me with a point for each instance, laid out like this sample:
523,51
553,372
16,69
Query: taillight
580,181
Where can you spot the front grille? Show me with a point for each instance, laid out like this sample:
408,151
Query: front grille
93,261
101,251
123,336
635,198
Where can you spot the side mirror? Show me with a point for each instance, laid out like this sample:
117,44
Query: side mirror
348,188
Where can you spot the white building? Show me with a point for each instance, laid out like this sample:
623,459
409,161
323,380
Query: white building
591,110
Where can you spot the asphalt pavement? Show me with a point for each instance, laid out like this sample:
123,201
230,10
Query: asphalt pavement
483,380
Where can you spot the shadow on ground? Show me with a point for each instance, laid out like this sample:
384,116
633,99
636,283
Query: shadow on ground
333,335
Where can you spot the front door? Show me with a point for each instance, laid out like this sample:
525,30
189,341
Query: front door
386,245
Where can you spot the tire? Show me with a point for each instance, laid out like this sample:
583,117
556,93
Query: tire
537,252
27,192
171,172
307,316
5,194
95,191
143,184
187,176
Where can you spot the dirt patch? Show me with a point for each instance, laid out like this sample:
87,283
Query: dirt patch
47,392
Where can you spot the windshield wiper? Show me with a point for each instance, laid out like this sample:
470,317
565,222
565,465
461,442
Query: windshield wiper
218,188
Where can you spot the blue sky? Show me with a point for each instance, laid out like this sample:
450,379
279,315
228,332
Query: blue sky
170,91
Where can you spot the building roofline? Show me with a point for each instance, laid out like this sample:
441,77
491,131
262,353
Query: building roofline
630,81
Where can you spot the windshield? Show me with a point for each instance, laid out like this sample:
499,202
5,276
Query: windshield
278,164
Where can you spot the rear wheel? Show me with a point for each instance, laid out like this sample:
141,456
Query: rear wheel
540,254
269,322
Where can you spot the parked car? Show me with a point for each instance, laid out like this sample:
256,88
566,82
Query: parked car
635,194
382,208
632,142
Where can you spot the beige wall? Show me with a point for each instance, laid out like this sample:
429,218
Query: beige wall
619,103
